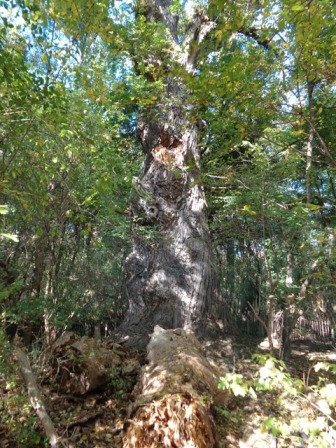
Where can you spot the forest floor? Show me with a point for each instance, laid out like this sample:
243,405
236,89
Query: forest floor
97,419
265,420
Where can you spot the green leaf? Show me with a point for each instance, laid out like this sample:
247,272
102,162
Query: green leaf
3,209
298,8
248,209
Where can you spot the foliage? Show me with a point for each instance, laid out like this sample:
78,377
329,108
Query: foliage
313,418
236,384
74,79
65,179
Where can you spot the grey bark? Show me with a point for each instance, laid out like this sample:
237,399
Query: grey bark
310,143
171,280
35,397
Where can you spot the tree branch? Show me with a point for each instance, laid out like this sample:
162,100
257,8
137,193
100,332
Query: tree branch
253,34
199,28
323,149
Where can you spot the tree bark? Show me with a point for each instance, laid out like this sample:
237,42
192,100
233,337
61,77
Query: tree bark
230,269
171,280
174,395
310,142
35,397
288,314
171,275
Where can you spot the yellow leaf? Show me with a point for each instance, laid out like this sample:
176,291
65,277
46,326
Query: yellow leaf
247,208
219,34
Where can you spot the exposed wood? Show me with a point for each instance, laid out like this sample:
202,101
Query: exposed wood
175,395
82,365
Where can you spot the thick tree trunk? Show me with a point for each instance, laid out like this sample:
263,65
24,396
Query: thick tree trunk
171,280
171,275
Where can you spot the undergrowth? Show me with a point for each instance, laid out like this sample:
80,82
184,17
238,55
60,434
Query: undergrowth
300,411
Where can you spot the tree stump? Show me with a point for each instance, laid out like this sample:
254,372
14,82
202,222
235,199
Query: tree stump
174,395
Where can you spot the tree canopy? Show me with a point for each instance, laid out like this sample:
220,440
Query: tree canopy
166,166
77,79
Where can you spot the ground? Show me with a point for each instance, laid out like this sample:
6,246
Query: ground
96,420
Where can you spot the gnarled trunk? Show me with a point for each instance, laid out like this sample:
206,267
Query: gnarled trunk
171,276
175,395
171,280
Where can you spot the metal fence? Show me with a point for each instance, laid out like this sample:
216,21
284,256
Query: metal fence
318,328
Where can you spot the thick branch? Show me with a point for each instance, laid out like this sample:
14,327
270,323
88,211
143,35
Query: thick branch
161,10
198,30
253,34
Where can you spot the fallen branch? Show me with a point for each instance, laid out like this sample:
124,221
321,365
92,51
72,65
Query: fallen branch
68,398
81,420
35,396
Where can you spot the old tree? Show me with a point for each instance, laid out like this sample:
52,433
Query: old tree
165,166
172,279
224,98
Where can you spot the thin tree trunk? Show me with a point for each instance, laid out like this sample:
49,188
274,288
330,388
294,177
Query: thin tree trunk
230,269
287,325
35,396
272,285
310,143
50,332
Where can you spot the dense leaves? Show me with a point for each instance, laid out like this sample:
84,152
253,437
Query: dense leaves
74,78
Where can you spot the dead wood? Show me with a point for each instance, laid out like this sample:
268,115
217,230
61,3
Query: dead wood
84,419
82,365
174,395
35,396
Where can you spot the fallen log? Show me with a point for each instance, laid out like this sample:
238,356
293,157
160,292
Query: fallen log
174,396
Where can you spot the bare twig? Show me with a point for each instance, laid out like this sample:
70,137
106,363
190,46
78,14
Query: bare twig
258,317
84,419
